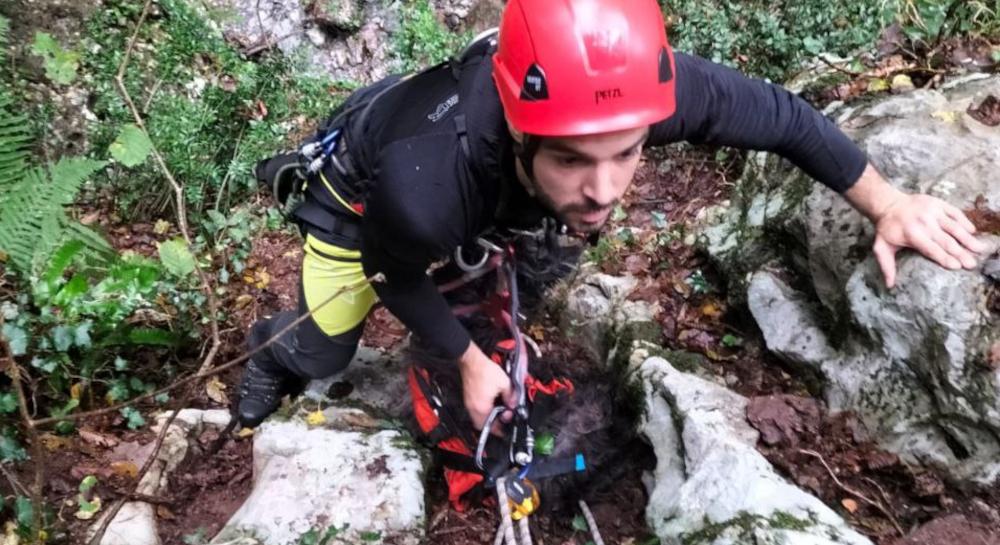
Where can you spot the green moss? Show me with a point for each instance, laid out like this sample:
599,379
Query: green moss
744,524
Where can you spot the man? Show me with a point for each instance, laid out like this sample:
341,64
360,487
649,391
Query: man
547,120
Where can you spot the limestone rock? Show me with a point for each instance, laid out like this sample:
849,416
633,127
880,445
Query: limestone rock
598,312
346,472
711,486
135,524
910,361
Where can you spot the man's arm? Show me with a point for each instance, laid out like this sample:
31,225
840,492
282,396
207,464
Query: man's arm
719,105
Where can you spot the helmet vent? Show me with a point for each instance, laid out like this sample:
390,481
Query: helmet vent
666,70
534,86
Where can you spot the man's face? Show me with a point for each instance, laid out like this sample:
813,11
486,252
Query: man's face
582,178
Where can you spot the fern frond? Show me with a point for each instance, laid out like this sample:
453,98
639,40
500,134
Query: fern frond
14,140
32,219
4,31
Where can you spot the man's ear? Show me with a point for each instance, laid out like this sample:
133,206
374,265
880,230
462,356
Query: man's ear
517,135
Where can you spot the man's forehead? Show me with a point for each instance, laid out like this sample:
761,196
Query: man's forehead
589,144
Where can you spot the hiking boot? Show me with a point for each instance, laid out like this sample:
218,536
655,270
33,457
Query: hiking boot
261,391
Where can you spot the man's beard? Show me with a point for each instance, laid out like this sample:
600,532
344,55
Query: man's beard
569,215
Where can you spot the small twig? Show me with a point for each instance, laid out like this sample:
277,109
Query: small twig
152,93
850,73
268,44
182,223
853,492
15,484
17,375
594,530
378,277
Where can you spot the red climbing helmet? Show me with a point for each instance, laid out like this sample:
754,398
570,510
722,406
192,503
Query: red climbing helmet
574,67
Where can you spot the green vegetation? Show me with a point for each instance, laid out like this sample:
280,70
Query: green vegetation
773,39
424,40
210,112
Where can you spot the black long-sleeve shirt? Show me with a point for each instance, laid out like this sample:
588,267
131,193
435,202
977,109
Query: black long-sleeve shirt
428,195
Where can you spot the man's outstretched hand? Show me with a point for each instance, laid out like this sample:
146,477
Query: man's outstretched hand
936,229
483,381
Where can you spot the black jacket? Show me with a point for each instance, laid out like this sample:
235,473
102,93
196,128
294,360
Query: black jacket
438,156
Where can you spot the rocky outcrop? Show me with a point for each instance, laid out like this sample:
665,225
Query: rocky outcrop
346,40
912,361
598,313
711,485
340,472
337,462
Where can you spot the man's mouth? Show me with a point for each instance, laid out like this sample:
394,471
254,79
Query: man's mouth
595,216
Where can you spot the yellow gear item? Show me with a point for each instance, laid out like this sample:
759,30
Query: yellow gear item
521,507
326,268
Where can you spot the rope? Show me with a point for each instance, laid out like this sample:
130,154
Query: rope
525,531
506,523
591,523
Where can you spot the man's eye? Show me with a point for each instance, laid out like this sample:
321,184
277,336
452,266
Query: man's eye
629,153
568,161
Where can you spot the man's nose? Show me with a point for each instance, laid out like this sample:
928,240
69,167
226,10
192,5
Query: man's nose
600,187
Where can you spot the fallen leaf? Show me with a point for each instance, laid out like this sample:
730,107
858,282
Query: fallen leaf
263,279
243,300
125,469
947,117
878,85
537,332
53,442
359,420
902,82
993,359
216,391
90,218
97,439
76,390
161,227
164,513
637,264
316,418
850,505
244,433
711,310
89,508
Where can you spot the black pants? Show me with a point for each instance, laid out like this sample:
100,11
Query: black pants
304,350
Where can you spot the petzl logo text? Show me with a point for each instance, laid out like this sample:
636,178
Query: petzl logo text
606,94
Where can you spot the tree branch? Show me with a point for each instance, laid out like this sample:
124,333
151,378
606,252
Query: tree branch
182,223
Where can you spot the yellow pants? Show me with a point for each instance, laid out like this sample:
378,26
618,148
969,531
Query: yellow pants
326,269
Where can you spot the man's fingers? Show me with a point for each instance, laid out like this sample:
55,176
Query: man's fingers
885,254
957,215
958,256
959,226
965,242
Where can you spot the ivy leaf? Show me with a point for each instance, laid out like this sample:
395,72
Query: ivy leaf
87,483
24,511
16,338
545,443
11,450
8,402
580,524
176,257
132,147
62,337
195,538
133,418
729,340
60,64
81,335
